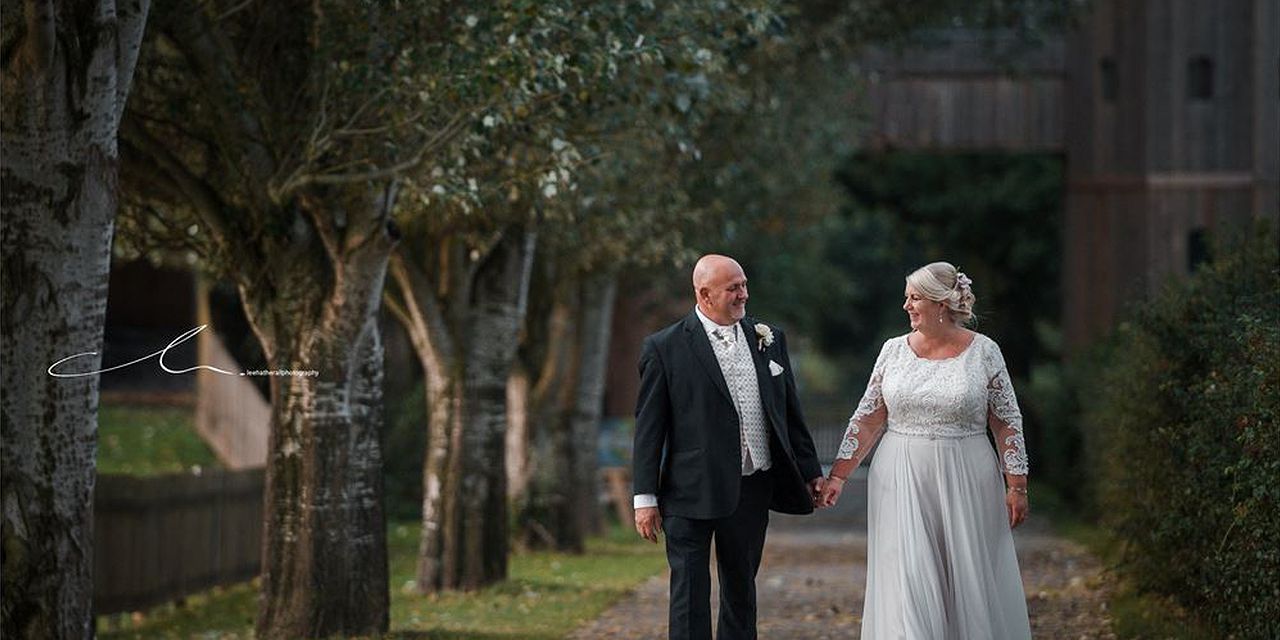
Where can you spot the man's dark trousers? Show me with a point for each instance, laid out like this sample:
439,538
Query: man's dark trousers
739,540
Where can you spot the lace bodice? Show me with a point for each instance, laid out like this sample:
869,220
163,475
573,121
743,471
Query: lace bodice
949,398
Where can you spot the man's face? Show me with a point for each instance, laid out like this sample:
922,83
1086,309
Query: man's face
724,298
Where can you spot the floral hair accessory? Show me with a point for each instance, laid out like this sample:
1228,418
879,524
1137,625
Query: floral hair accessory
962,281
766,335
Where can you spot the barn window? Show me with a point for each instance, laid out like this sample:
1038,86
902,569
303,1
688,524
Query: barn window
1108,81
1199,78
1197,249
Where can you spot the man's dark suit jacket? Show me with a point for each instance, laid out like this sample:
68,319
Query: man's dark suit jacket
687,441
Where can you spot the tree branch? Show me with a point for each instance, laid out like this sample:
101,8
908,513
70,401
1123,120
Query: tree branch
422,309
136,168
328,232
442,137
202,198
399,311
131,18
41,36
232,11
212,60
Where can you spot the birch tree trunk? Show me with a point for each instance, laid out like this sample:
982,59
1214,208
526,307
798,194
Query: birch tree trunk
467,361
216,140
324,542
67,71
596,318
562,507
518,434
547,509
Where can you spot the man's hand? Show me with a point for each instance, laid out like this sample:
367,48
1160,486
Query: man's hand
648,523
816,486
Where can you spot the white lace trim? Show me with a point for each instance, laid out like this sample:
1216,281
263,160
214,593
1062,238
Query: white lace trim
1004,406
872,400
953,397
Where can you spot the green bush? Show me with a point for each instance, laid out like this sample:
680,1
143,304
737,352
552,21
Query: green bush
1186,443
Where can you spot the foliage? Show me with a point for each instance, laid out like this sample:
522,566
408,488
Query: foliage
1185,427
996,217
547,595
143,441
610,99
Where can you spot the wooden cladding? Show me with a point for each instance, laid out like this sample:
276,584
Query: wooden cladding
973,113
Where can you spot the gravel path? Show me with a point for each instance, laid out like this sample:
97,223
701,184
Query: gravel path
811,583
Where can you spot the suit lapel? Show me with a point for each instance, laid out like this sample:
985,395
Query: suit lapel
764,378
701,347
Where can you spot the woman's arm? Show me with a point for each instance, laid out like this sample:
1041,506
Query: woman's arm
1004,419
864,430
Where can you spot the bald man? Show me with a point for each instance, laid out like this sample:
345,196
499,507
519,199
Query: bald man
719,441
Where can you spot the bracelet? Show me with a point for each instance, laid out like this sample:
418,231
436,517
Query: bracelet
835,477
1022,490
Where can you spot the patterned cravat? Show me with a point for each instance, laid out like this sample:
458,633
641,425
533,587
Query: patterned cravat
727,335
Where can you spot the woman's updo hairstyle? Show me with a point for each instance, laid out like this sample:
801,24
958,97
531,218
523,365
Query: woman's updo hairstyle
941,282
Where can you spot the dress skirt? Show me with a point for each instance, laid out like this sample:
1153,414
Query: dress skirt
940,556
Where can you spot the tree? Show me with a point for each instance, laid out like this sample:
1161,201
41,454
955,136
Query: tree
268,140
461,279
631,210
569,80
567,347
67,74
465,342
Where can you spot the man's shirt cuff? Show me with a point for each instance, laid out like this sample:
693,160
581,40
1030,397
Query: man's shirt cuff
645,500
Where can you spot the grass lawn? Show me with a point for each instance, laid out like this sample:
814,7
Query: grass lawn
142,441
546,596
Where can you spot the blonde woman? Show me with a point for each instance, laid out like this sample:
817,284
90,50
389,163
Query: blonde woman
941,502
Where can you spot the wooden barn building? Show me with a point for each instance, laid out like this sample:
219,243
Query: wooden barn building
1172,112
1166,112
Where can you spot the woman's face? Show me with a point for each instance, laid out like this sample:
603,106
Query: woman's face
920,310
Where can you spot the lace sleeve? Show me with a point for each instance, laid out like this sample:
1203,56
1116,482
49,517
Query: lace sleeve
1004,418
868,419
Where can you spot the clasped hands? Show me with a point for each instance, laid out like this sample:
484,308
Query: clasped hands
818,489
828,492
649,520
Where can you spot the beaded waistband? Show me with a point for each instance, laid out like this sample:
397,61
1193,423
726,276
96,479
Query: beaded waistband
939,436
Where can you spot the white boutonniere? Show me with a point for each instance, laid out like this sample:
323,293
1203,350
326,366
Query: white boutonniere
766,336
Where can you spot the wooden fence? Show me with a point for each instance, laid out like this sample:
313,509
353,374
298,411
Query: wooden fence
161,538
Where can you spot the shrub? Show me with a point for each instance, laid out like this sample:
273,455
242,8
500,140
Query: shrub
1186,446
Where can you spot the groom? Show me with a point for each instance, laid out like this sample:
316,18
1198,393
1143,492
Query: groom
719,442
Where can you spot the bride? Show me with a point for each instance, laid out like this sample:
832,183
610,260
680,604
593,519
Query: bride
941,562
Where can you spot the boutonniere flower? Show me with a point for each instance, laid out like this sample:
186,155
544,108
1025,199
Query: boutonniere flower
766,336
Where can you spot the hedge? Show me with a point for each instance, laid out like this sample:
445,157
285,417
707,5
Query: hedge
1185,446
